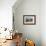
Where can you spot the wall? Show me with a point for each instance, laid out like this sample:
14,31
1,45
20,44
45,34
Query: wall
43,22
28,7
6,13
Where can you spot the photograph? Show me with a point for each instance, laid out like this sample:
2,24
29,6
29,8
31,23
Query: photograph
29,19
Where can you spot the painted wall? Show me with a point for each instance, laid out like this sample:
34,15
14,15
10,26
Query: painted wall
43,22
36,32
28,7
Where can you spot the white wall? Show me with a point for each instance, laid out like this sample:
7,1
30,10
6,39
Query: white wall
29,7
6,13
43,22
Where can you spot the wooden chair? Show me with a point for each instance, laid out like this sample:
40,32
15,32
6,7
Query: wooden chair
18,39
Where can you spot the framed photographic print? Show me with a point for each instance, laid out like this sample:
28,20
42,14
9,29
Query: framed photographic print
29,19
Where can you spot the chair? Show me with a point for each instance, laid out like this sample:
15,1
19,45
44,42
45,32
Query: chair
18,39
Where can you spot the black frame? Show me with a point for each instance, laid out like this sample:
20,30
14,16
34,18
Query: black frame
32,18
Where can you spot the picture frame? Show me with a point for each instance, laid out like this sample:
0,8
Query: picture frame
29,19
